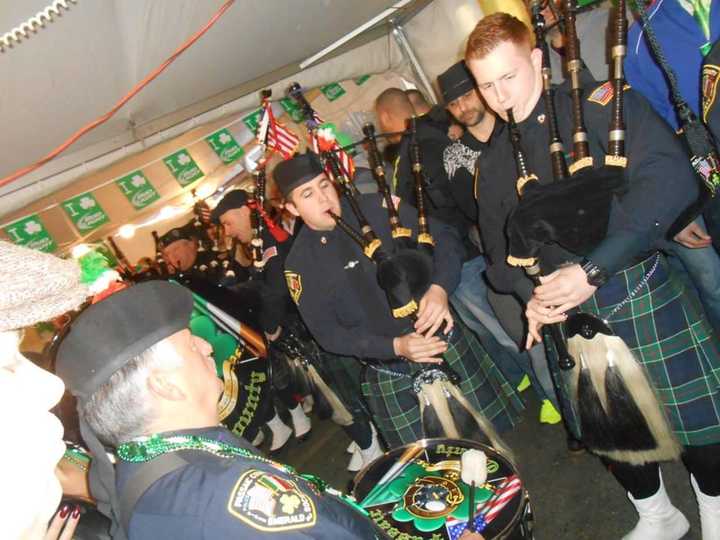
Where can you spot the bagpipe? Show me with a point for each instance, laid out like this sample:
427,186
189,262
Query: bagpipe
619,414
404,272
260,219
699,143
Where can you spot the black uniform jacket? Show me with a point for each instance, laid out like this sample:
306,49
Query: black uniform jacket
215,498
276,303
335,287
660,183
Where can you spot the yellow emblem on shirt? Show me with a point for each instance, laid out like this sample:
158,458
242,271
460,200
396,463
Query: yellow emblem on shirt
294,284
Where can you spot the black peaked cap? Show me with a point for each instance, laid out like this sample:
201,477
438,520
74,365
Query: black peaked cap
296,171
109,334
233,199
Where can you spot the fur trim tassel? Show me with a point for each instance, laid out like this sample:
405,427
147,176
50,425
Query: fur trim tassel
640,431
443,405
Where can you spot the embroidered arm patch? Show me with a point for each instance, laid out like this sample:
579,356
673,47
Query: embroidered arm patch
709,87
603,94
294,284
270,503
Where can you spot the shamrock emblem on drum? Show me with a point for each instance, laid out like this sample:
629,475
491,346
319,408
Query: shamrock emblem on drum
434,495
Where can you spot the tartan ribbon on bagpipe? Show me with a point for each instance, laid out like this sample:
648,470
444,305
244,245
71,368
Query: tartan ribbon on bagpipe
274,135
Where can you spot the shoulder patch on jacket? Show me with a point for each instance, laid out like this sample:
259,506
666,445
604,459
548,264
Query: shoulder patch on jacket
294,284
603,94
268,502
710,77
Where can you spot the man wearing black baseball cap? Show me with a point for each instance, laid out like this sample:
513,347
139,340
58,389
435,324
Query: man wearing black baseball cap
147,388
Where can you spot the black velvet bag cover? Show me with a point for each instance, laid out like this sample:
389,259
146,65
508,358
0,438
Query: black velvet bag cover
405,277
573,213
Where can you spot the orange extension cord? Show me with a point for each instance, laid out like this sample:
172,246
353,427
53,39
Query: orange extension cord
104,118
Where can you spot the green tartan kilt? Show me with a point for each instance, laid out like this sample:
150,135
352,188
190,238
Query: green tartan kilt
666,329
394,405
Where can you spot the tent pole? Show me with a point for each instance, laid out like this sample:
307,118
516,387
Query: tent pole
406,50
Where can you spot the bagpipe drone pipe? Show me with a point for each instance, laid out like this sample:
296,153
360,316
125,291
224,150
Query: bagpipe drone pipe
619,414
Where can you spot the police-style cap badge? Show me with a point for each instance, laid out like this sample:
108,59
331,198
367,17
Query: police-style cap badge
233,199
455,82
109,334
297,171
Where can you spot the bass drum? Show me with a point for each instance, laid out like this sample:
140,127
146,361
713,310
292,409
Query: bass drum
416,490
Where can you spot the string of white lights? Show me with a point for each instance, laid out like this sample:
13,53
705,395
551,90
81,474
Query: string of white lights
31,26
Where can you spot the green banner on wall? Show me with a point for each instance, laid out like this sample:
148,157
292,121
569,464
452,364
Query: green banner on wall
252,120
30,232
183,167
332,91
138,190
85,212
362,80
225,146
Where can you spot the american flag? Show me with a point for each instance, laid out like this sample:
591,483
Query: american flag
504,493
274,135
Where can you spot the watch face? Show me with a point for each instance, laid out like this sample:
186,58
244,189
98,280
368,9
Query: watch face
597,278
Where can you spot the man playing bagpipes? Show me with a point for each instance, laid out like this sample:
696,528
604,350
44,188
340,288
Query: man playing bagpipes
233,212
283,328
334,284
622,281
448,198
463,102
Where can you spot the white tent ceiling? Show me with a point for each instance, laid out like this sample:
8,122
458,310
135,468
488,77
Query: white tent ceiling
77,67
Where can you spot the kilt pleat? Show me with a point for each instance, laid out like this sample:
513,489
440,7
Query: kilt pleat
394,405
666,329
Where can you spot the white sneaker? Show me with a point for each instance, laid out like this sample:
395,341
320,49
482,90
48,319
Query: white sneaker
709,512
308,403
356,460
300,421
659,519
372,452
259,438
280,433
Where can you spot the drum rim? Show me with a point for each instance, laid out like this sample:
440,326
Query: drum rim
425,443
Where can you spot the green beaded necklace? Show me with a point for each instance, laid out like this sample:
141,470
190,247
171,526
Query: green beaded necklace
145,449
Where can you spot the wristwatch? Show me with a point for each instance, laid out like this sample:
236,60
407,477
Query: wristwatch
597,276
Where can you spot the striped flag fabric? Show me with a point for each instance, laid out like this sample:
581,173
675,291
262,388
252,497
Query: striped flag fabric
502,496
274,135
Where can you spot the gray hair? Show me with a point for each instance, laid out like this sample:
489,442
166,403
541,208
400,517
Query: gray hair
123,408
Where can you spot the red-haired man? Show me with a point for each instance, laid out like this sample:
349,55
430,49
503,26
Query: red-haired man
663,326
